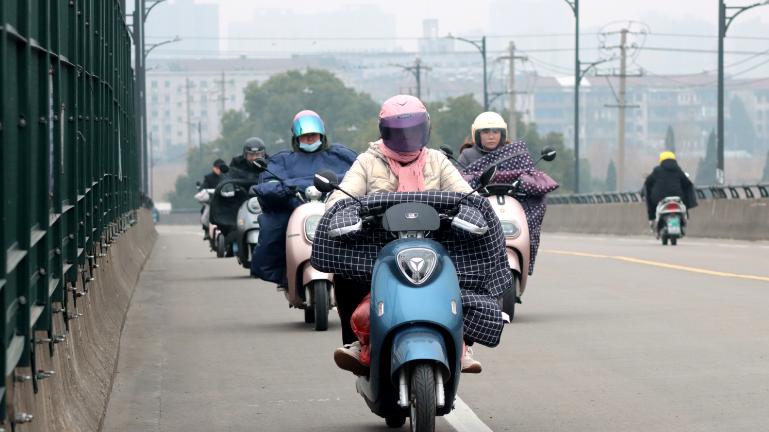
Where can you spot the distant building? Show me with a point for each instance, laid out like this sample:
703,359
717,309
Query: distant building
196,23
432,42
687,103
266,34
186,98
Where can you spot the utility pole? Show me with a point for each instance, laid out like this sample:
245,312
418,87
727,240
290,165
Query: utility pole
224,92
187,88
621,105
200,143
140,107
416,70
726,14
513,120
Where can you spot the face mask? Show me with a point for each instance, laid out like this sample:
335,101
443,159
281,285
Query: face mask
310,147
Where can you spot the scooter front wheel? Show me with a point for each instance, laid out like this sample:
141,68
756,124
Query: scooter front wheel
320,304
395,421
422,398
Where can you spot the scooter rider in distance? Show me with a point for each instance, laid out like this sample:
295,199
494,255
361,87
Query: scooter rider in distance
667,180
253,149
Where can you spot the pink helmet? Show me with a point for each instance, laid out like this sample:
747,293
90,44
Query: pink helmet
404,123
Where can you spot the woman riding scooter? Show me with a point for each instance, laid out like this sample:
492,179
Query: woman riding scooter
488,133
398,162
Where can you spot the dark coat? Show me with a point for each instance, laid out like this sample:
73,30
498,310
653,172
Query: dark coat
210,181
471,154
240,162
668,180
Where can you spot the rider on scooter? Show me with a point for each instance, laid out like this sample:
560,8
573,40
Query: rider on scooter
488,133
310,152
667,180
253,149
398,162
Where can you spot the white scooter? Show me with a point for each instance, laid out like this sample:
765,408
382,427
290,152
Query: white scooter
670,220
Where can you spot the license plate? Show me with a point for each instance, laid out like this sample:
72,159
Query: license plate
674,225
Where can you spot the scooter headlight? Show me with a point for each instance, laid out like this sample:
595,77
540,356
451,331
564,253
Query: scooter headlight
312,193
511,229
253,205
310,225
417,264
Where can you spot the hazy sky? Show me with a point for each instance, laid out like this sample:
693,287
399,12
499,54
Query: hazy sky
470,16
666,50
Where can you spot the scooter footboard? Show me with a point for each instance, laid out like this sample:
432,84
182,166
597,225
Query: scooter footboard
419,343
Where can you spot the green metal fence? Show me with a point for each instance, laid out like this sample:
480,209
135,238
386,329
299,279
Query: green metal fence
69,161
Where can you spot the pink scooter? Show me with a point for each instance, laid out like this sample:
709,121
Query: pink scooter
308,288
504,199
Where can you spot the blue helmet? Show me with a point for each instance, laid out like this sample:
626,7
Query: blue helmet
307,122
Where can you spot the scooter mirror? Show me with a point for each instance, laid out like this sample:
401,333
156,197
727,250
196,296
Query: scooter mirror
447,150
548,153
488,175
325,181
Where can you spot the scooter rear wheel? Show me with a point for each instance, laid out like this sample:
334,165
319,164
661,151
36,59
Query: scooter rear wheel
422,398
320,304
221,247
509,299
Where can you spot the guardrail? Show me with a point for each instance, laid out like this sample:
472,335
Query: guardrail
69,162
703,193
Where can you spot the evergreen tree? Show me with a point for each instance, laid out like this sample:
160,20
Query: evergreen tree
765,177
740,131
670,140
706,169
611,177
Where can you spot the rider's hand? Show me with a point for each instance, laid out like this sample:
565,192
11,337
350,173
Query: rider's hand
291,190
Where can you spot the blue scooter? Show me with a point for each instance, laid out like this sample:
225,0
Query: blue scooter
416,316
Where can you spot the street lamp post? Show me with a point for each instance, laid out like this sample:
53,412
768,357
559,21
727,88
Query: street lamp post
481,46
574,5
724,20
140,93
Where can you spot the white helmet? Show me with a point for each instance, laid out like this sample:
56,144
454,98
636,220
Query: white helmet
488,120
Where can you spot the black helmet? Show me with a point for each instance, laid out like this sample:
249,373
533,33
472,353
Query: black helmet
254,145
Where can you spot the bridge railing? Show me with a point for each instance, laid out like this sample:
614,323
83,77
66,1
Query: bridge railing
703,193
69,162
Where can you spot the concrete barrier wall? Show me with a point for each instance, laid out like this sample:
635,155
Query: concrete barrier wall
743,219
75,398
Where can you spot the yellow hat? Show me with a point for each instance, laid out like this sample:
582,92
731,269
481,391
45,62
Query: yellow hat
667,155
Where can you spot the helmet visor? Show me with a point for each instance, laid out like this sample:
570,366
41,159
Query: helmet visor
307,125
405,132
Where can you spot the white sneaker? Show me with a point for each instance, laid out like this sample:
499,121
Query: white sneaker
470,365
347,357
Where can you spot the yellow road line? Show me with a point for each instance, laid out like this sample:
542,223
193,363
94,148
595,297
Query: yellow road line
661,264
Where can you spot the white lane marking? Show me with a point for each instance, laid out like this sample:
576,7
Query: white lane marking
463,419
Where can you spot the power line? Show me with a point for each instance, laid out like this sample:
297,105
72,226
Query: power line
416,38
